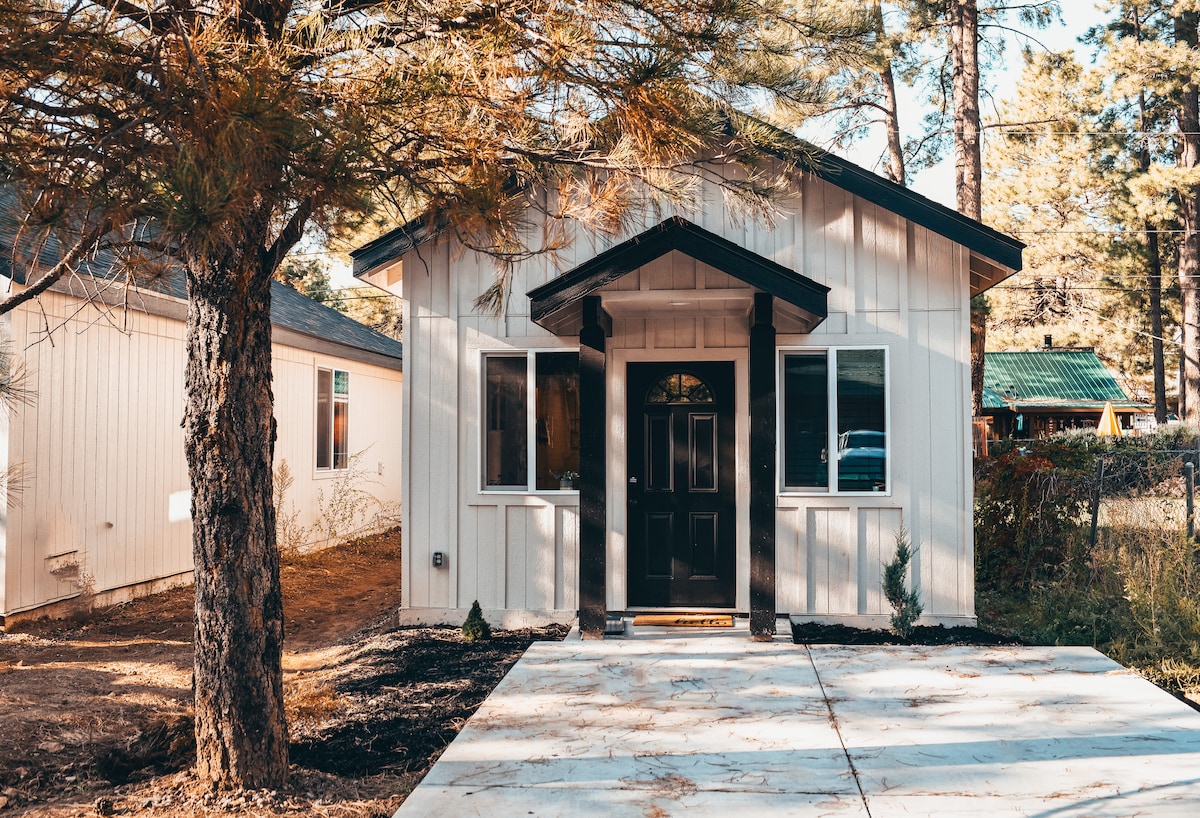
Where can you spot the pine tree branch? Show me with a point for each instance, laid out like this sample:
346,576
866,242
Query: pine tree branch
86,244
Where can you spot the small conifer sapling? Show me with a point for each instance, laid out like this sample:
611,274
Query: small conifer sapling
476,628
905,602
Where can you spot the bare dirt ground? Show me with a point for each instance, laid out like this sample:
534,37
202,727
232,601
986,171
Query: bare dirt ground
95,713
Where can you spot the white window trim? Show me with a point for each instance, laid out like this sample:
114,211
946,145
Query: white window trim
530,356
330,470
832,433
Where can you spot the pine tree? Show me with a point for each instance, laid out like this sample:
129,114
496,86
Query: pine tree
1113,159
1045,184
211,136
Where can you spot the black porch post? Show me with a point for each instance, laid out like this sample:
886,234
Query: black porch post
593,469
762,468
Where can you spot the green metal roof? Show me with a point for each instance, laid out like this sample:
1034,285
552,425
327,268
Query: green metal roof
1063,379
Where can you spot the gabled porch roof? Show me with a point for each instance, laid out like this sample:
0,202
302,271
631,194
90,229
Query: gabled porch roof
556,306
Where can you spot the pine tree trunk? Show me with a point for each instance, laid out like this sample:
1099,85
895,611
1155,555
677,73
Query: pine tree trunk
1154,260
891,121
968,161
1189,216
241,734
891,109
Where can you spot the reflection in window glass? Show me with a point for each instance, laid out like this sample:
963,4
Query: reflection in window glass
862,442
506,449
557,419
859,406
341,423
324,417
679,387
806,420
333,419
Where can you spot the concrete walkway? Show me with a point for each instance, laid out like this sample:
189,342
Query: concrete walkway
708,723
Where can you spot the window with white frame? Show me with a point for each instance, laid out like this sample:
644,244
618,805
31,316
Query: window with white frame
333,419
834,420
530,434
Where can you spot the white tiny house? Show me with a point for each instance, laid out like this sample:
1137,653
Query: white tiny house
705,413
99,502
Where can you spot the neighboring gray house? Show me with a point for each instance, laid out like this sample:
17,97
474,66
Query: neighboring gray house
101,503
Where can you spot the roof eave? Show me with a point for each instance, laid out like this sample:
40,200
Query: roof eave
1003,251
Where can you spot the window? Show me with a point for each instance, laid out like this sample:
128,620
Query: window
679,387
333,419
835,401
531,415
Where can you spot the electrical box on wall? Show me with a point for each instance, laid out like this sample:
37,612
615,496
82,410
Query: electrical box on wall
439,559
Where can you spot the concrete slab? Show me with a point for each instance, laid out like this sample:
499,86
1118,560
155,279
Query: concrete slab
665,723
1010,731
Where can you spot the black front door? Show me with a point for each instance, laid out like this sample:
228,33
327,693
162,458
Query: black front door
681,485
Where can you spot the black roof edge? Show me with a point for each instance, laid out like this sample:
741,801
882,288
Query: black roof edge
677,233
968,232
393,244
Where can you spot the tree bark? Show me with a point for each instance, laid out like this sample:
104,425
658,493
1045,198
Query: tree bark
241,733
1186,25
968,160
1153,259
891,109
891,121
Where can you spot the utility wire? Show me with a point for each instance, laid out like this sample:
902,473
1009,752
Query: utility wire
361,298
1169,134
1116,230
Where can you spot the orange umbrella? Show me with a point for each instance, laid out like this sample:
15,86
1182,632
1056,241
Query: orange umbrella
1109,427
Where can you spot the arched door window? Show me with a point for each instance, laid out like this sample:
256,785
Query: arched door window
679,387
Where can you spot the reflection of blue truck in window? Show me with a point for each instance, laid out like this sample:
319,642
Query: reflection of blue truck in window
862,457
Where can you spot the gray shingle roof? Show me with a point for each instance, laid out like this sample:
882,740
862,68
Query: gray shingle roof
300,313
289,309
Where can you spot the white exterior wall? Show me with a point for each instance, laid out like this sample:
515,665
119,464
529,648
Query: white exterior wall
893,284
101,449
374,429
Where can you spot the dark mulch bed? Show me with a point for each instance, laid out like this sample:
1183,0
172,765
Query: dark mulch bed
405,696
813,633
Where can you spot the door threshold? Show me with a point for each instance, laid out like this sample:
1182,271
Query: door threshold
632,610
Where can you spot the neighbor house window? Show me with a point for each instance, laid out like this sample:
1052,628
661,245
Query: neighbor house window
333,419
834,421
531,421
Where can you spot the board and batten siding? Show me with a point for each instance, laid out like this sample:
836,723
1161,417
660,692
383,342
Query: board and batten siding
893,284
100,450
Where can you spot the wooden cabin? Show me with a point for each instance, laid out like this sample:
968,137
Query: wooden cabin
1043,392
704,413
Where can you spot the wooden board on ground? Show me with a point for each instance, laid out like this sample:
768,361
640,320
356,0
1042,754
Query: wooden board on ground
685,620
